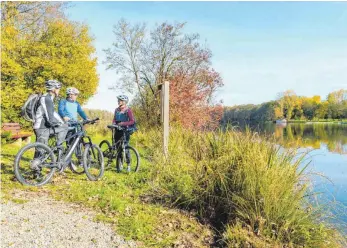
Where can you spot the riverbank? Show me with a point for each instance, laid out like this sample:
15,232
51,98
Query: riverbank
337,121
228,186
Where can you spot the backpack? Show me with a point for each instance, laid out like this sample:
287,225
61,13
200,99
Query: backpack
132,128
30,107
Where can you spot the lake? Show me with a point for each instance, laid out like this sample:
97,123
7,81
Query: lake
327,146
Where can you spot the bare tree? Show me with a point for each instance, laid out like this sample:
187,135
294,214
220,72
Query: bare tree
146,59
30,16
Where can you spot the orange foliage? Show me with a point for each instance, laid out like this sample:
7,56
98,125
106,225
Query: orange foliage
191,99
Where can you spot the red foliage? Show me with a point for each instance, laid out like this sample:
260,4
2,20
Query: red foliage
191,99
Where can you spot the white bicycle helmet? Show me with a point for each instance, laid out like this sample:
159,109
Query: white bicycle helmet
123,98
72,90
52,84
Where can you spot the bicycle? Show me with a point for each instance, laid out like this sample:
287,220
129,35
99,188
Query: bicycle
76,161
36,163
123,154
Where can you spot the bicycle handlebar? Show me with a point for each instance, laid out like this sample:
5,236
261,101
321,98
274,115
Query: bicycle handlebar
91,121
84,122
116,127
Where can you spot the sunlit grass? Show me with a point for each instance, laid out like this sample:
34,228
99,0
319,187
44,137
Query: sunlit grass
245,186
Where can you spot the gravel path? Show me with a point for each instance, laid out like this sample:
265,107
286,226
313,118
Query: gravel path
44,222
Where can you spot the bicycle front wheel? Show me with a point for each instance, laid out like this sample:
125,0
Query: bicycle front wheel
93,162
34,164
130,162
76,163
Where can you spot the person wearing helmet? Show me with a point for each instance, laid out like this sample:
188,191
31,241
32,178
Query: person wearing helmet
69,108
48,121
123,116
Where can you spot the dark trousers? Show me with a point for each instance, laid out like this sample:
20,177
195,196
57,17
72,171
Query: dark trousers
42,135
116,137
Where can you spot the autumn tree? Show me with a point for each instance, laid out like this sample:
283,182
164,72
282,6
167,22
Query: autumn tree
145,59
289,104
189,101
337,103
39,43
288,100
310,105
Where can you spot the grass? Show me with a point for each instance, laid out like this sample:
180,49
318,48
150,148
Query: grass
240,188
118,199
250,190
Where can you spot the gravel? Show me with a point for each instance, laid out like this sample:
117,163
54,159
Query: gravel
44,222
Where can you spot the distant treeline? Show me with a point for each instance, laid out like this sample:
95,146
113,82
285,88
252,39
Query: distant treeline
100,127
292,107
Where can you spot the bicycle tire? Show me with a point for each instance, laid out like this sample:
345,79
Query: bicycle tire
76,166
134,157
19,157
89,158
106,149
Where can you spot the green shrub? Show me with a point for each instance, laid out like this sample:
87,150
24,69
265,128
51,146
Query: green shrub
5,137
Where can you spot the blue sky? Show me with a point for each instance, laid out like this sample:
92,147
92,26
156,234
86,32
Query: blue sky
260,48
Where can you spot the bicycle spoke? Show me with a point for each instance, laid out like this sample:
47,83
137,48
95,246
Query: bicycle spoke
107,153
93,162
30,164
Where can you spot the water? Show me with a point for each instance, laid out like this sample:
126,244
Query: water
327,146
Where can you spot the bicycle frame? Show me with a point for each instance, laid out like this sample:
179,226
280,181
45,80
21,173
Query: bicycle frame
78,136
121,141
121,146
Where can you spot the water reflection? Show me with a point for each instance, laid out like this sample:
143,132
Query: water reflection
307,135
327,147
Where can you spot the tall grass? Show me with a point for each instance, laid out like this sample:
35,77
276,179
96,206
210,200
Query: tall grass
253,192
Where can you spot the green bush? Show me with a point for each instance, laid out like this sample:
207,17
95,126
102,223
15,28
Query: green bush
5,137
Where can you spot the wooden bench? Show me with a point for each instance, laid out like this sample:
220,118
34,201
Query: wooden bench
16,133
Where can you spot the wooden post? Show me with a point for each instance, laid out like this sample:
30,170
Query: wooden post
165,115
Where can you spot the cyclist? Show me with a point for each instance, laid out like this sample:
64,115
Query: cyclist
69,107
123,116
47,121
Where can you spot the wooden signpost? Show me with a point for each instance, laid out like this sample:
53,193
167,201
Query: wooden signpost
164,96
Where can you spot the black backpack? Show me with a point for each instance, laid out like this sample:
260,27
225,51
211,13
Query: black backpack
30,107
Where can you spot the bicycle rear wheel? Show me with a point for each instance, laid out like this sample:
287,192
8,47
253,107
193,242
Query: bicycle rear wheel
93,162
34,164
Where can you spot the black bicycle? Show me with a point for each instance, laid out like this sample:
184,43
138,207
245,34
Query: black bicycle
124,155
36,163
